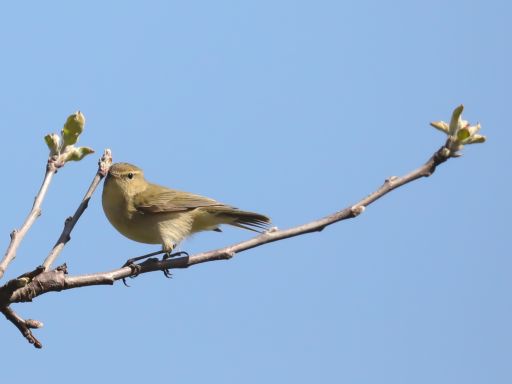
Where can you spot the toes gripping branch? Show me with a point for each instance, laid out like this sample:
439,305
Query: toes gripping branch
137,268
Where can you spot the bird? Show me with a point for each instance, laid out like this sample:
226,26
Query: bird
149,213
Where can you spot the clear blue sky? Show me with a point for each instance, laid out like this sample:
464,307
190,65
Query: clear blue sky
294,109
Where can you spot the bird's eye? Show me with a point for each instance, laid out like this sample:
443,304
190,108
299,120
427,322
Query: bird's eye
130,176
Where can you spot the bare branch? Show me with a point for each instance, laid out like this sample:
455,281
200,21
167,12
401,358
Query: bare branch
103,165
17,235
56,280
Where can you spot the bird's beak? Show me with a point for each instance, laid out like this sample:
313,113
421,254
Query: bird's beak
116,175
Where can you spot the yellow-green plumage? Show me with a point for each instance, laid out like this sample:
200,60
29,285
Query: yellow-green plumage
152,214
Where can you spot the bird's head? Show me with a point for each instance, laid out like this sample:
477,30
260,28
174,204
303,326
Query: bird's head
127,177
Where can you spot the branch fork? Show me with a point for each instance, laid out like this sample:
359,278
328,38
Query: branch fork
42,280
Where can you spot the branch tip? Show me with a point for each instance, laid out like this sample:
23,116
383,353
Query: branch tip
22,325
105,162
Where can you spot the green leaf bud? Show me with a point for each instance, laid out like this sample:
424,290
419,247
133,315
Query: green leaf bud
73,127
53,142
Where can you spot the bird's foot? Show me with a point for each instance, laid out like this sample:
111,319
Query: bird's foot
168,255
134,267
135,270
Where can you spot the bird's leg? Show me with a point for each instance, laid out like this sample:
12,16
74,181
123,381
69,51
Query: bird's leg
129,262
168,255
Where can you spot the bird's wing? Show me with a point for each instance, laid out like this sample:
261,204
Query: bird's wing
156,199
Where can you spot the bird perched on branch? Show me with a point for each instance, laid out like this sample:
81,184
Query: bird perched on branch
152,214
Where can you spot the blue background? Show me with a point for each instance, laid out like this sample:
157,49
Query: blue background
294,109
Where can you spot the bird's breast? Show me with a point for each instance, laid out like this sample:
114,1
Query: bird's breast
149,228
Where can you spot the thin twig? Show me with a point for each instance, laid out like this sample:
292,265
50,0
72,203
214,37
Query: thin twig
17,235
71,221
23,325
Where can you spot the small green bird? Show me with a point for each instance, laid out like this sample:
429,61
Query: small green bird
151,214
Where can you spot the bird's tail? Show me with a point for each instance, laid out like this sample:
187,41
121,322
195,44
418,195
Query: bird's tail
241,219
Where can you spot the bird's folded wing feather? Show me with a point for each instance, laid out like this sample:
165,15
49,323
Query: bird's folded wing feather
158,199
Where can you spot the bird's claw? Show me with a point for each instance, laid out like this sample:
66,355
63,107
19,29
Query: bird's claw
167,273
168,255
135,270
